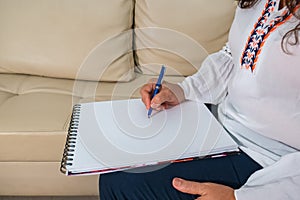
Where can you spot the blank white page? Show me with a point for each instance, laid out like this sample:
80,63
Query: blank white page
119,133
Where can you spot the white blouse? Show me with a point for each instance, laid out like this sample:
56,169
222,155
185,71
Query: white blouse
257,87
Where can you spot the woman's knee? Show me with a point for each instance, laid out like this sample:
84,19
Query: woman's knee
122,185
138,186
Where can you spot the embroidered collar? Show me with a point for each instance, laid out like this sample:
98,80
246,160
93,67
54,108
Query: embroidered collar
261,31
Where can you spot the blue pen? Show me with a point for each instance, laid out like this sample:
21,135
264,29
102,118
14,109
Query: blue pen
157,86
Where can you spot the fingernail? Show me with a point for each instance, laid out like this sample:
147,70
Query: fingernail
177,182
154,105
159,108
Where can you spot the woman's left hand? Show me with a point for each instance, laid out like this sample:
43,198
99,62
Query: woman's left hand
206,191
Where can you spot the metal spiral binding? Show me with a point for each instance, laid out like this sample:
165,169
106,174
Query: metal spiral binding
69,149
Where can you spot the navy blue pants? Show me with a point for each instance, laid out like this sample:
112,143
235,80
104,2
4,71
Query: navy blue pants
231,170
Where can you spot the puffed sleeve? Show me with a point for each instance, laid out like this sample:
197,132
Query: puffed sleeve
278,181
209,84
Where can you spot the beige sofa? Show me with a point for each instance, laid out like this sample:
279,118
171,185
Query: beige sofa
54,53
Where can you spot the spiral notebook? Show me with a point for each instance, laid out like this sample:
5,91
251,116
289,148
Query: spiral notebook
117,135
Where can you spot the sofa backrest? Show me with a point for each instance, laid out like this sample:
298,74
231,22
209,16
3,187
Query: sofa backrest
93,39
180,34
55,37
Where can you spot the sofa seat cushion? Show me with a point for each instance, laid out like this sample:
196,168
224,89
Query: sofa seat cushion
57,38
42,179
35,112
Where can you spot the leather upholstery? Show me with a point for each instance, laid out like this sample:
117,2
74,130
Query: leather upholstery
44,37
180,34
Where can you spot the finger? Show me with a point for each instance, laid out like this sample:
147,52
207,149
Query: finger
145,92
159,107
159,99
189,187
165,97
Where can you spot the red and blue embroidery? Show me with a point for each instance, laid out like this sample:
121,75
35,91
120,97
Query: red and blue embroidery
260,33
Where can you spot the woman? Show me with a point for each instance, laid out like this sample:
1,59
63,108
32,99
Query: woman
255,80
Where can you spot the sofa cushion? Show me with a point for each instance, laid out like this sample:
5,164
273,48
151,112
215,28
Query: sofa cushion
36,111
43,179
90,40
180,34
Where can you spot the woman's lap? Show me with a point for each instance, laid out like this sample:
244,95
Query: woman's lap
231,170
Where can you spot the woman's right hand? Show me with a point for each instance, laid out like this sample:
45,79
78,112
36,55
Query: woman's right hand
169,95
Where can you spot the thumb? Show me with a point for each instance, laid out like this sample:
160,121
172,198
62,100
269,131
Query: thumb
189,187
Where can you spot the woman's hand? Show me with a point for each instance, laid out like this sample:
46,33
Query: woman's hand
206,191
170,95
